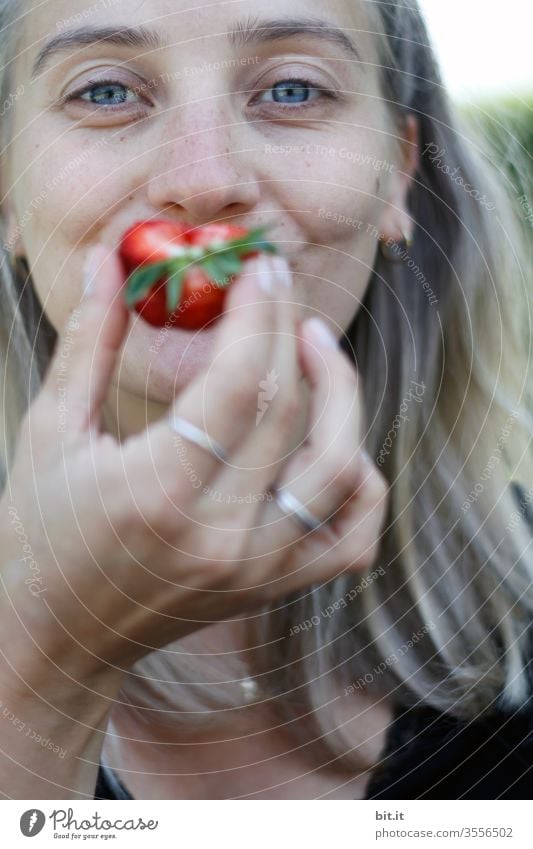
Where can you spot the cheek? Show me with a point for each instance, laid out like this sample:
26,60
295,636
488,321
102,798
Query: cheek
332,184
344,214
61,207
51,238
334,194
77,186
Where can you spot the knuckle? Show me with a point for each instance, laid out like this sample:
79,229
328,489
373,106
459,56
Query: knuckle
287,411
132,501
215,575
220,553
344,473
161,492
242,394
148,513
166,502
347,371
369,554
213,552
376,485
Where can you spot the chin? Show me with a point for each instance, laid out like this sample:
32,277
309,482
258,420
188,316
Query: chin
165,358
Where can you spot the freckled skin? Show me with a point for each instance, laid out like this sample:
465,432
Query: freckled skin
199,155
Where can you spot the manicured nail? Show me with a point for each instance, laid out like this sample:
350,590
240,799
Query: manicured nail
266,274
321,333
366,458
282,270
93,262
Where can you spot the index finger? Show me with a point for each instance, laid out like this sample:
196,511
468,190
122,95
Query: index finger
80,373
222,400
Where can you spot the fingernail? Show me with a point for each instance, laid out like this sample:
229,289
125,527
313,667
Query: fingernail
366,466
91,269
282,270
366,458
321,332
266,274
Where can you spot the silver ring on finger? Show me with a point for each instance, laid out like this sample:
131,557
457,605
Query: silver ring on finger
188,430
293,507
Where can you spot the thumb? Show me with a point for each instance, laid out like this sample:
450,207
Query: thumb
86,351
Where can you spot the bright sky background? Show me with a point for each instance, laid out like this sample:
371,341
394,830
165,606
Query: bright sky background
483,46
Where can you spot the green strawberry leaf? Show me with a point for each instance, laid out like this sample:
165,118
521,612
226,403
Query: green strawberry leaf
227,264
142,279
213,269
174,288
223,263
251,241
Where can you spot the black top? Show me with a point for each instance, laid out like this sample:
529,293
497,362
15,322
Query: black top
109,786
433,755
437,756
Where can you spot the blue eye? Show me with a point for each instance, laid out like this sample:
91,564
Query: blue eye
296,92
112,94
109,94
104,94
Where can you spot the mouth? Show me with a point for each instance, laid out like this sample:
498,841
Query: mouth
175,276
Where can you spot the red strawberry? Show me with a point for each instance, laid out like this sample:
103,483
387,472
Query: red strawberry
179,274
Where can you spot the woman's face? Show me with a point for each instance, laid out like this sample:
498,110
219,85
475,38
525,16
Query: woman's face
201,129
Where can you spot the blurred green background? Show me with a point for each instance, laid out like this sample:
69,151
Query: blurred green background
508,122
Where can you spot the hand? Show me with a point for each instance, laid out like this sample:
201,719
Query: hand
131,555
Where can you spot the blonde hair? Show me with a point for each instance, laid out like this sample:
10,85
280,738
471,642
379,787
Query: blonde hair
441,343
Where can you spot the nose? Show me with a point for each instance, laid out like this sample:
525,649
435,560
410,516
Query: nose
200,171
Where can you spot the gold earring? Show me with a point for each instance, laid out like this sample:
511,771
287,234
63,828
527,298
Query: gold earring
393,252
407,239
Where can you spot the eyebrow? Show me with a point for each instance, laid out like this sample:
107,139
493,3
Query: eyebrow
81,37
254,31
243,33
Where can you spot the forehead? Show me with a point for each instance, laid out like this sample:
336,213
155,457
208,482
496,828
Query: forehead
180,22
55,14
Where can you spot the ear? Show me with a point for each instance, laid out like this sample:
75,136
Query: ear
395,222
